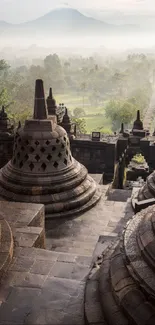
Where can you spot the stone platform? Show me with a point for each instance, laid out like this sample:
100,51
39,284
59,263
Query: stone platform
48,286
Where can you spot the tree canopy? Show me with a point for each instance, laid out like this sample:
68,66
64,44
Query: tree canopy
120,111
114,88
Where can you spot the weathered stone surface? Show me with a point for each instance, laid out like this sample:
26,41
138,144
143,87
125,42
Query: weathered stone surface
21,264
41,267
18,305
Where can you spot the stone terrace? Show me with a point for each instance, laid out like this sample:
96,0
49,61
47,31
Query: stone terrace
48,286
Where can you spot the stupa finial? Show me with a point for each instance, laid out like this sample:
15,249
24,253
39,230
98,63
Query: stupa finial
40,112
122,128
3,114
138,124
19,125
138,115
66,111
51,103
50,93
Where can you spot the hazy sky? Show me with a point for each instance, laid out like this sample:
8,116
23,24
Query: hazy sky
17,11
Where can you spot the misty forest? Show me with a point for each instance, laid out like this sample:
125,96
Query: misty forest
99,93
101,87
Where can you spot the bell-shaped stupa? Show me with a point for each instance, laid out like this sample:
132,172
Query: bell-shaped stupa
6,138
125,273
5,125
52,107
66,122
138,124
42,169
51,103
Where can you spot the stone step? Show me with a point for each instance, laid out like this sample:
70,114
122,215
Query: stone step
29,237
40,283
118,195
101,246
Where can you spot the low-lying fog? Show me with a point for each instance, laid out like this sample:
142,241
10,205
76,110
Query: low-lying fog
82,45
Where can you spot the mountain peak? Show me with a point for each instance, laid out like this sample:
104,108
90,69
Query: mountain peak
63,21
63,13
67,8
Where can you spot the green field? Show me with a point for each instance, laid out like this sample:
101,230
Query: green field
93,123
73,100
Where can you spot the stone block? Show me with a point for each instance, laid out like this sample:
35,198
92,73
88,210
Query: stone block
25,252
22,212
84,260
25,239
41,267
68,258
63,270
10,315
18,305
80,272
22,264
63,286
43,254
26,279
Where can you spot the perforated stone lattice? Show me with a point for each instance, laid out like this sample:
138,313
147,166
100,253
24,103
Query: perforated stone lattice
43,155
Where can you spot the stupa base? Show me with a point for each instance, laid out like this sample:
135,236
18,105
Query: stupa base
78,210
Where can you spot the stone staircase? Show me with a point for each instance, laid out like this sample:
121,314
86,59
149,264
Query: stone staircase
52,286
118,195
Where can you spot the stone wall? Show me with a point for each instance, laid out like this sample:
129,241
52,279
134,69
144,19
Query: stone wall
97,156
6,148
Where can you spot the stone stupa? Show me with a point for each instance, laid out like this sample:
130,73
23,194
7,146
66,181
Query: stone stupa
5,125
42,169
6,138
138,124
126,275
52,106
66,122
